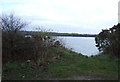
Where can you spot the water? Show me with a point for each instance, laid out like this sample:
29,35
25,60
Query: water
83,45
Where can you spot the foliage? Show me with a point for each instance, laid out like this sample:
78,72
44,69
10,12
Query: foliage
11,37
68,65
18,47
108,41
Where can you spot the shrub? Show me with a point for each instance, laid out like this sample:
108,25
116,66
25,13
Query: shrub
108,41
16,44
11,25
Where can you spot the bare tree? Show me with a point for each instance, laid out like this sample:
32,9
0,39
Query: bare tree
11,23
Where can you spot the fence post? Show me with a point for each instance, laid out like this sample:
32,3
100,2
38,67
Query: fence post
0,53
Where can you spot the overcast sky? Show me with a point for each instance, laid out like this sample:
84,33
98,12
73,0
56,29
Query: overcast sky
73,16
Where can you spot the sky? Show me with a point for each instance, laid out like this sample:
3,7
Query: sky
70,16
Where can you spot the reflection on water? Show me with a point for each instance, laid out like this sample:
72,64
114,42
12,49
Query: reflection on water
83,45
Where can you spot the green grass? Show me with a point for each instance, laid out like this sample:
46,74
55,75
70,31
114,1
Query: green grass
68,65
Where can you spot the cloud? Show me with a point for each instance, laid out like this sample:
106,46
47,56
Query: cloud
90,14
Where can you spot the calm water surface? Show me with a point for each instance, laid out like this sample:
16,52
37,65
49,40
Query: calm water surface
83,45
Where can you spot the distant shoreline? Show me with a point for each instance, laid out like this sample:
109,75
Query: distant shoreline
59,34
75,36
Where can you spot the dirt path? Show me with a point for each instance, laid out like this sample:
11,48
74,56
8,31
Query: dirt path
79,78
85,78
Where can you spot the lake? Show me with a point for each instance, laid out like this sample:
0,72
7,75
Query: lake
83,45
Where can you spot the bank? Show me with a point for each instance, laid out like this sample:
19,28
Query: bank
63,64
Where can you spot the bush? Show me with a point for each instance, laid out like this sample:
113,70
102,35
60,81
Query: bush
24,48
108,41
11,37
23,45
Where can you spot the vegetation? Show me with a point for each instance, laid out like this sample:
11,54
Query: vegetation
74,34
108,41
18,47
60,34
10,26
39,56
63,64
